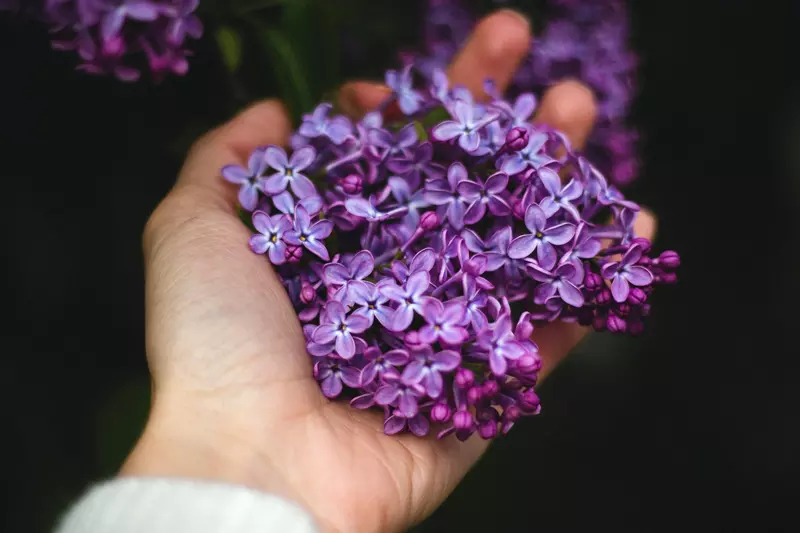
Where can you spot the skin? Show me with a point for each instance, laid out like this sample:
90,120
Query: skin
234,399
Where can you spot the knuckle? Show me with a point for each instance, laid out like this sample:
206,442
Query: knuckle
569,102
506,34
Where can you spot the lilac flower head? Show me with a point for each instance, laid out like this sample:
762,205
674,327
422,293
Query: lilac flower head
318,124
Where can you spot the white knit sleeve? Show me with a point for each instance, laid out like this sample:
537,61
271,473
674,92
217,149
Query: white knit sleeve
160,505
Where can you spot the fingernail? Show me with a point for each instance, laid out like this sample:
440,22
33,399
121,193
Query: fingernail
516,14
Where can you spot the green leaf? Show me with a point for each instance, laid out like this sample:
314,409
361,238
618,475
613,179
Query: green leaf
230,45
435,117
421,133
291,77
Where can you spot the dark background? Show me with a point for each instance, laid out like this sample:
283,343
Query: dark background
692,427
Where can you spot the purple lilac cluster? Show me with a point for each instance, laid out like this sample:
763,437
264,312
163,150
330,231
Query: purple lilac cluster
107,33
421,254
585,40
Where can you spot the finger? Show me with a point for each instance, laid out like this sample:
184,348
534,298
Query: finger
494,51
570,107
558,338
232,143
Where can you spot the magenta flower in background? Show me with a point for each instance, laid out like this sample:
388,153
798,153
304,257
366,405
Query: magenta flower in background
109,35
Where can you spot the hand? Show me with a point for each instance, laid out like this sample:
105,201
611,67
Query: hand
234,399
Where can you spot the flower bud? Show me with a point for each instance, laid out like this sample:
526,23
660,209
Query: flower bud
412,340
593,281
490,388
669,259
352,184
488,430
464,378
474,394
517,138
440,412
512,413
637,296
529,400
668,278
529,363
293,254
604,297
462,419
599,322
623,309
429,220
615,324
307,293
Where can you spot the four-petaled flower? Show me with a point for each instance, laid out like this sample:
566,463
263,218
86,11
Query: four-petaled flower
532,156
331,373
269,239
466,128
626,272
379,363
417,167
444,322
444,193
385,144
249,178
564,281
542,238
344,277
423,261
339,328
289,171
480,195
500,344
409,297
426,366
397,393
372,304
309,235
408,99
560,197
317,124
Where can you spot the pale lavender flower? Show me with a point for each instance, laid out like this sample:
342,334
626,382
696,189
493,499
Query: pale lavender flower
397,393
344,278
500,345
482,195
426,369
379,363
445,194
542,238
423,261
269,240
563,281
417,167
626,272
409,298
249,179
372,304
560,197
332,374
289,171
318,124
309,235
532,156
444,322
465,128
408,99
339,328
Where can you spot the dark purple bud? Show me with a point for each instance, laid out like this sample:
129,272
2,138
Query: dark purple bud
512,413
490,388
644,243
464,378
429,220
669,259
615,324
637,296
412,340
294,254
488,430
517,138
604,297
599,322
529,400
352,184
440,412
529,363
623,309
307,293
667,278
593,281
462,419
474,394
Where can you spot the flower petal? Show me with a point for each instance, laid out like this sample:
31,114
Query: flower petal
535,218
248,197
620,288
394,425
335,274
236,174
550,180
345,346
325,333
423,261
362,265
447,130
418,425
497,182
351,376
359,207
331,386
386,395
470,141
357,323
276,158
570,293
407,406
469,189
302,158
259,243
559,234
475,212
638,275
513,164
546,255
418,283
317,248
276,184
523,246
302,187
277,253
543,292
321,229
497,363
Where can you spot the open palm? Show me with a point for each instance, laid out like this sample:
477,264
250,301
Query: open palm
234,396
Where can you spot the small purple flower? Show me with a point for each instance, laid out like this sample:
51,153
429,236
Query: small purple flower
465,127
138,10
625,273
408,100
309,235
416,167
286,204
520,112
423,261
409,297
444,322
331,373
418,425
560,197
445,194
426,366
485,195
372,304
249,178
532,156
339,328
269,240
380,363
398,393
290,171
564,281
412,201
583,246
385,144
185,23
541,238
361,207
474,304
500,344
343,277
317,124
